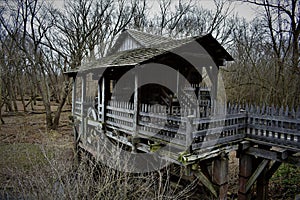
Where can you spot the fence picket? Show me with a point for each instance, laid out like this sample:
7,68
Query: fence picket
286,111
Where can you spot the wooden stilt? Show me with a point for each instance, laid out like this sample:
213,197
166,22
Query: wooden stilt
245,171
220,175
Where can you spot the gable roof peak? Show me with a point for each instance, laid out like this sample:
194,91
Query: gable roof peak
147,39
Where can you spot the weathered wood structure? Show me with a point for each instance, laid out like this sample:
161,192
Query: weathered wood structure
131,99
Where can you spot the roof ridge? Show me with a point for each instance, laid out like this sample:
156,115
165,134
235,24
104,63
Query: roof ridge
147,39
150,34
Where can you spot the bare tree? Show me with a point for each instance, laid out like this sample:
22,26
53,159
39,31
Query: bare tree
31,22
120,17
169,16
187,18
280,43
247,78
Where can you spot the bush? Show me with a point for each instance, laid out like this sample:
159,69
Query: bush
285,182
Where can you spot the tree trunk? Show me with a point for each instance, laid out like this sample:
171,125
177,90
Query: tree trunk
1,104
64,97
21,91
42,86
13,96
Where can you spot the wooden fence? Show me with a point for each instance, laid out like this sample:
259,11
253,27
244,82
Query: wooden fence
280,126
184,129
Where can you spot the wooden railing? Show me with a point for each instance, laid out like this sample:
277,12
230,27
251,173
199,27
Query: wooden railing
218,130
183,129
274,125
89,101
120,116
77,108
156,123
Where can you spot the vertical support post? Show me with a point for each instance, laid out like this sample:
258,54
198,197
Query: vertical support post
136,110
83,94
245,171
103,99
75,131
189,133
220,175
99,100
214,94
177,83
73,95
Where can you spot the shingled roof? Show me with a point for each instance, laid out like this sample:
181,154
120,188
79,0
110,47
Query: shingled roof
142,38
158,46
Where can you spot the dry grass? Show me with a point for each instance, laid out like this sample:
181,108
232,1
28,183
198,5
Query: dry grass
38,164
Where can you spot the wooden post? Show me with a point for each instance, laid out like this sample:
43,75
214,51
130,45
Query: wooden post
213,73
83,94
245,171
75,131
189,133
177,83
103,99
99,100
74,95
220,175
136,110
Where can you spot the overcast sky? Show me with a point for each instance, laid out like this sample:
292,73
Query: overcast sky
242,9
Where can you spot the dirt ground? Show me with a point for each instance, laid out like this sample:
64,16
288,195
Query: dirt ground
25,143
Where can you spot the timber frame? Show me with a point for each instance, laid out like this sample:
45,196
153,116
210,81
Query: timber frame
189,118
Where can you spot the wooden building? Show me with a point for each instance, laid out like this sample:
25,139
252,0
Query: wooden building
150,92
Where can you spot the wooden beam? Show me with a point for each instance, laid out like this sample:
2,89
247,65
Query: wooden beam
257,172
280,156
273,168
244,145
206,182
262,184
